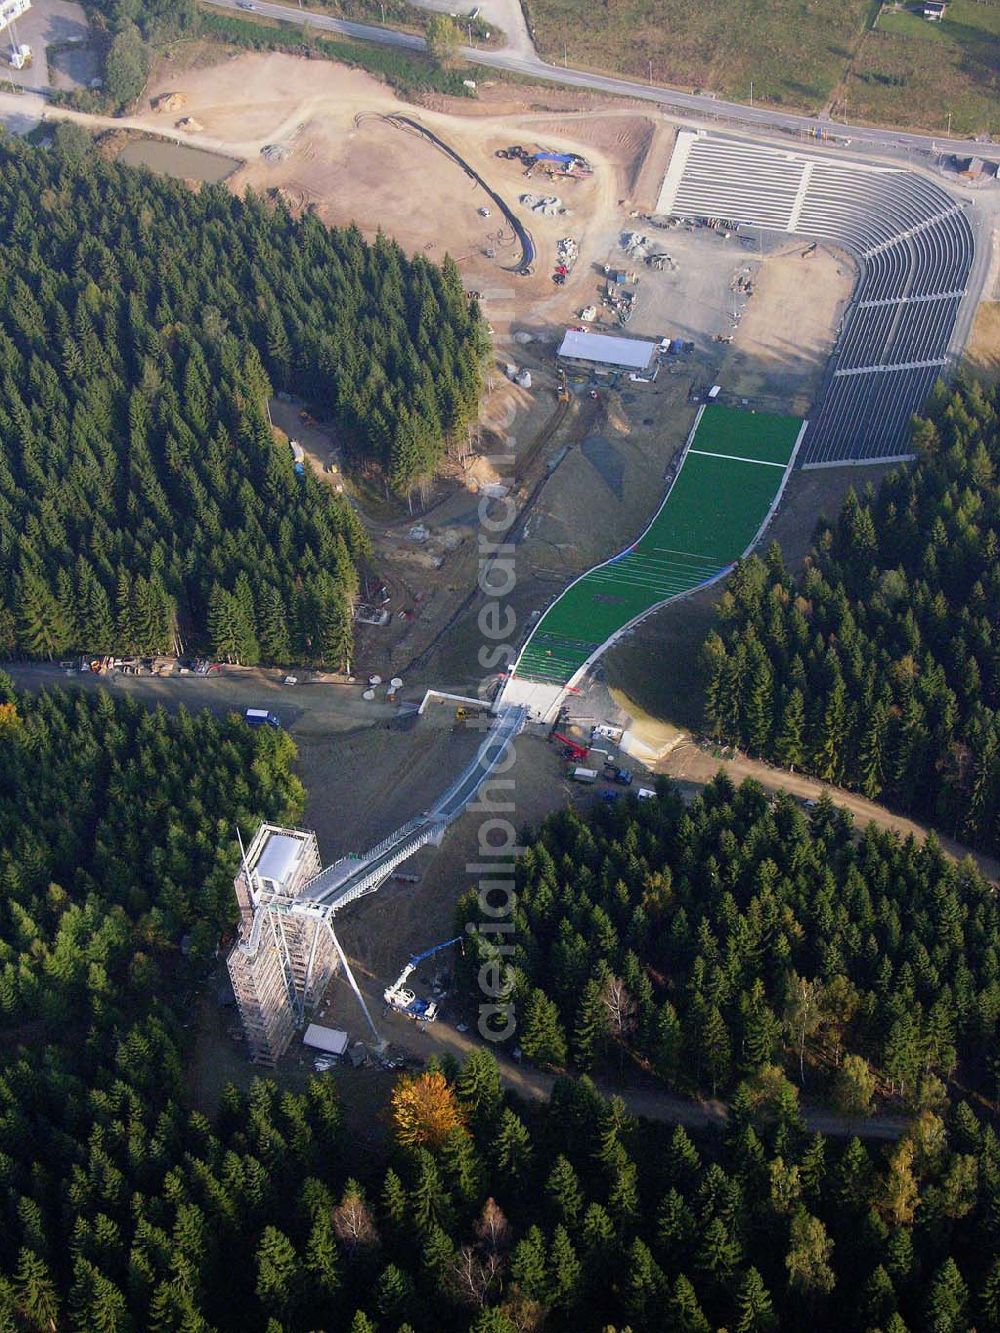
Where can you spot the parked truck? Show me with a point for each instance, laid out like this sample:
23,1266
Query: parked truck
583,774
622,776
260,717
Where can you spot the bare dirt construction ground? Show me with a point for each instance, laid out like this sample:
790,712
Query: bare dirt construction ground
382,931
982,356
787,330
585,480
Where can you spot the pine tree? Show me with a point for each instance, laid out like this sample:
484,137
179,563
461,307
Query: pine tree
947,1299
437,1252
429,1201
590,1025
394,1201
528,1265
563,1191
564,1271
675,1228
95,1301
42,630
685,1315
461,1165
512,1150
37,1300
719,1253
716,1051
878,1299
223,625
645,1286
244,614
754,1307
789,747
989,1298
393,1293
275,641
478,1086
321,1260
758,712
279,1273
683,1163
542,1038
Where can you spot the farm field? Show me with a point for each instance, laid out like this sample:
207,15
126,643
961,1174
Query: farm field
916,74
891,67
728,480
795,55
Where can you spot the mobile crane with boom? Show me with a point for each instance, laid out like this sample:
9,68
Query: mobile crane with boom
398,996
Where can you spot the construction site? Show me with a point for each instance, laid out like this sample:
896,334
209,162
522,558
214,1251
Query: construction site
667,312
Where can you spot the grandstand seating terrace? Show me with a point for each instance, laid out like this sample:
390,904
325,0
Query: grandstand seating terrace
914,248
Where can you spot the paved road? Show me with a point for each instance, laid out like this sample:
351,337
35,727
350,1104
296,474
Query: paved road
520,58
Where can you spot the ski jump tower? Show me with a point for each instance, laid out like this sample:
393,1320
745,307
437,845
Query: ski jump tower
287,949
283,960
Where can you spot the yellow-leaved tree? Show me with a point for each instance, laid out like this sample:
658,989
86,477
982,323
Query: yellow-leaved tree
425,1110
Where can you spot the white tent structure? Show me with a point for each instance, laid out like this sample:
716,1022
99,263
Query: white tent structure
330,1040
600,349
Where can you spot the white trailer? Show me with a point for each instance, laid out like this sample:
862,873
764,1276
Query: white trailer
329,1040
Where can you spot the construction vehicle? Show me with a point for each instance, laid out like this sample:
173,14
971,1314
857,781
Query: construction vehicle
399,997
261,717
571,749
622,776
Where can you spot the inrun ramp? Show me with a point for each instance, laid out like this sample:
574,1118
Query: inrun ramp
914,248
726,489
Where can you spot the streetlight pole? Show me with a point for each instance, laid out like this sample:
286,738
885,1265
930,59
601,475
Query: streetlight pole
751,92
949,124
565,57
382,7
650,73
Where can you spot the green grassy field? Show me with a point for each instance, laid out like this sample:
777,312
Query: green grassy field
718,501
891,67
914,73
795,51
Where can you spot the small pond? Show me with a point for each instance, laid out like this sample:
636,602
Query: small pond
177,159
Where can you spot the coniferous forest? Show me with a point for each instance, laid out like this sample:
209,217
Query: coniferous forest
122,1209
879,666
704,944
143,502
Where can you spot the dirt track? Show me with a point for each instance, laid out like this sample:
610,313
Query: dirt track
690,763
535,1084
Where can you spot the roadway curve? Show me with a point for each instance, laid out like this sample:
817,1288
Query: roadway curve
515,60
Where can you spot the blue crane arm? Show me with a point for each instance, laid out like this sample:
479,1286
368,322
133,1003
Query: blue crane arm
427,953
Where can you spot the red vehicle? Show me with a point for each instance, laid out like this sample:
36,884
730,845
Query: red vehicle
571,749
